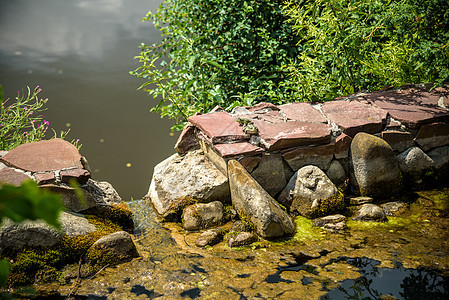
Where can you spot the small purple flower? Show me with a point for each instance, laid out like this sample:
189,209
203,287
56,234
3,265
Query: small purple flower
31,113
25,133
46,122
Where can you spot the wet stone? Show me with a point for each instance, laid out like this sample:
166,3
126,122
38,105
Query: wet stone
209,237
394,208
353,116
331,219
242,239
13,177
42,156
370,212
202,215
360,200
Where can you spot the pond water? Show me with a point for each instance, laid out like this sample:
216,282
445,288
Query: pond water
80,53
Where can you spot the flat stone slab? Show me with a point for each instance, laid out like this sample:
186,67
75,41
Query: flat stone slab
234,149
302,111
42,156
11,176
398,140
413,107
293,133
354,116
433,135
220,127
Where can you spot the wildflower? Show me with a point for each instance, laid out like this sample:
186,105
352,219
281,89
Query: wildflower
46,122
31,113
25,133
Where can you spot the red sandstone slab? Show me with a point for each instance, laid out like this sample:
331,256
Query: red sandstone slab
302,111
294,133
220,127
433,135
416,95
413,106
354,116
398,140
187,140
262,106
80,175
342,144
272,117
11,176
42,156
235,149
45,178
320,156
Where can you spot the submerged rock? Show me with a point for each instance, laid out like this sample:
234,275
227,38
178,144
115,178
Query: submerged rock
178,178
394,208
202,215
242,239
370,212
254,204
333,223
376,169
314,194
210,237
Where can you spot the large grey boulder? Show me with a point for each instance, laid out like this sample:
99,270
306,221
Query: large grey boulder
285,197
376,169
16,236
202,215
336,173
314,195
252,202
440,157
181,177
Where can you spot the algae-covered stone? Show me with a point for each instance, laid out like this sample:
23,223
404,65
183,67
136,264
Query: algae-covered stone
252,202
414,163
210,237
114,248
314,194
376,169
202,215
191,176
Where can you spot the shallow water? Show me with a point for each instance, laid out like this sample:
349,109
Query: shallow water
407,258
80,53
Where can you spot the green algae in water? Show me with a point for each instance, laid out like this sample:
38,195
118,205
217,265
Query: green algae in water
306,232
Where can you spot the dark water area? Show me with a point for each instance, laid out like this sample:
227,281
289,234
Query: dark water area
80,53
398,282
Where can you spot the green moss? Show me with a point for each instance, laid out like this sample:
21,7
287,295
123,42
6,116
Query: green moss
176,208
246,219
32,265
306,232
328,206
121,215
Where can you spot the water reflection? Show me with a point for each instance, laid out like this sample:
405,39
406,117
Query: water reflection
80,53
400,283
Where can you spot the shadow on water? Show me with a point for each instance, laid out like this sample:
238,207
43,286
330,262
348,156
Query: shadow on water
398,282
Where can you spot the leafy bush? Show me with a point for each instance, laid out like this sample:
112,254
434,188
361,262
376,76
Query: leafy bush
231,52
225,53
353,45
21,120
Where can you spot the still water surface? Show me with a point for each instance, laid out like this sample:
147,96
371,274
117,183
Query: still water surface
80,53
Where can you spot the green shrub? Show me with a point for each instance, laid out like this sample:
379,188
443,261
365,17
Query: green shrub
225,53
353,45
